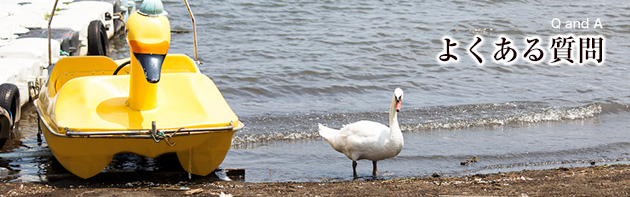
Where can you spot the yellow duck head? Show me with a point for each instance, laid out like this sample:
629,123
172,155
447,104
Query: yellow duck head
149,37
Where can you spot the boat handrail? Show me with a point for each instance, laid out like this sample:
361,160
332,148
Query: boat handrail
192,18
144,133
128,133
50,35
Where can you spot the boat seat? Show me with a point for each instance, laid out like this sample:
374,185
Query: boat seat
179,63
99,103
72,67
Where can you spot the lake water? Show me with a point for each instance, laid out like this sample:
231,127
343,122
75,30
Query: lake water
284,66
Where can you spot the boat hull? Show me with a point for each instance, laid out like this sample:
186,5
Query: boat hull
85,118
199,154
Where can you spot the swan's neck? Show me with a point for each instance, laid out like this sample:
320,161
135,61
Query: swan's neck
393,119
142,94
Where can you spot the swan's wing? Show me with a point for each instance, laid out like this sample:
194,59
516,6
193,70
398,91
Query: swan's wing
365,128
365,139
364,134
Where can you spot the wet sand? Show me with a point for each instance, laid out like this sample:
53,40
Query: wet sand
584,181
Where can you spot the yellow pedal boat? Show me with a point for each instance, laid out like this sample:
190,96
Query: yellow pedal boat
159,104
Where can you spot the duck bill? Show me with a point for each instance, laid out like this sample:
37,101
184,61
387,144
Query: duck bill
151,65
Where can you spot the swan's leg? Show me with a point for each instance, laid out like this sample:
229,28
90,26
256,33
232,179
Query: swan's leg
354,169
374,168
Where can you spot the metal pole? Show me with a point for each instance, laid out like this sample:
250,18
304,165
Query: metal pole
49,34
192,17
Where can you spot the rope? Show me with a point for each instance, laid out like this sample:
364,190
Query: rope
159,136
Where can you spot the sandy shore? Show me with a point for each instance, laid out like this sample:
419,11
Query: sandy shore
588,181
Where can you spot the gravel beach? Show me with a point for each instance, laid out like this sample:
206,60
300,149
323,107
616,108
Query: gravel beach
584,181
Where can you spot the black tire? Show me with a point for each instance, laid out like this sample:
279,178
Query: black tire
9,101
5,126
98,44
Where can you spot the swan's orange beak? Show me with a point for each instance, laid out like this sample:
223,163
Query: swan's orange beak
398,104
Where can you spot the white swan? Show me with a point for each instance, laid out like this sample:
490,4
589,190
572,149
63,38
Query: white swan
368,140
